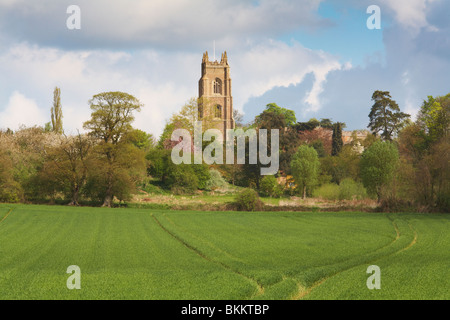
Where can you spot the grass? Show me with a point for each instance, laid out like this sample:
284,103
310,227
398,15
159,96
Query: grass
160,254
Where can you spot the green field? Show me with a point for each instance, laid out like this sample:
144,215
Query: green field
149,254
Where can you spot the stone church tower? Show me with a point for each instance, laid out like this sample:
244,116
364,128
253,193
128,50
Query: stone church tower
216,107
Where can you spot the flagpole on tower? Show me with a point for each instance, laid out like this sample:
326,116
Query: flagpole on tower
214,50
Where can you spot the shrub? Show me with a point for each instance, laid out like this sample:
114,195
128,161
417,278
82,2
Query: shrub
216,181
182,179
328,191
248,200
347,190
270,187
351,190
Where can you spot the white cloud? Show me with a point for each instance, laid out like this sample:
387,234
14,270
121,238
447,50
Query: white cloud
163,82
168,24
411,14
20,111
276,64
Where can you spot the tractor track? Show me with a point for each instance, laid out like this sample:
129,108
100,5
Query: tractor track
260,288
7,214
303,292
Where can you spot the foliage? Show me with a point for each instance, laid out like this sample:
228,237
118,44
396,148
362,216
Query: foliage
327,191
110,122
270,187
66,167
378,166
140,139
385,116
272,109
10,190
181,179
347,190
248,200
337,142
351,190
305,168
215,181
434,118
118,178
56,112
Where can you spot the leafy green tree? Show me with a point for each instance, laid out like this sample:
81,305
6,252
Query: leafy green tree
305,166
66,166
56,112
140,139
385,116
425,152
111,121
269,185
378,166
117,177
434,117
10,190
274,109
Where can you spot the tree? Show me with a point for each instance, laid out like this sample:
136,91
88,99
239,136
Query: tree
142,140
326,123
270,186
56,112
434,117
274,109
337,142
111,121
305,166
238,118
385,116
425,152
378,166
193,111
66,166
10,190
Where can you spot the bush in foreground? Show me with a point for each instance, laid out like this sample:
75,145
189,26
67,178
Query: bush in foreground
248,200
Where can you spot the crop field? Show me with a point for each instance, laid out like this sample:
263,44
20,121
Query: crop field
169,255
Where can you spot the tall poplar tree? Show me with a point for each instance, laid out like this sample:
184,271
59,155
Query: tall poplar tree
57,124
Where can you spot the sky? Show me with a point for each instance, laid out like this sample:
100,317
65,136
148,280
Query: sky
316,57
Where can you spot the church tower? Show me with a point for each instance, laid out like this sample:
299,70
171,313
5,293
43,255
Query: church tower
216,105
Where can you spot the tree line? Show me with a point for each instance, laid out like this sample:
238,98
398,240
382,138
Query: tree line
399,161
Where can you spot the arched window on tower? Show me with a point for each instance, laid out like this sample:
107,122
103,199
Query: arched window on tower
200,112
218,86
218,112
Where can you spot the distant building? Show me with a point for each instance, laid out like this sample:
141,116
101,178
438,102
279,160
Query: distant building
214,87
348,136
